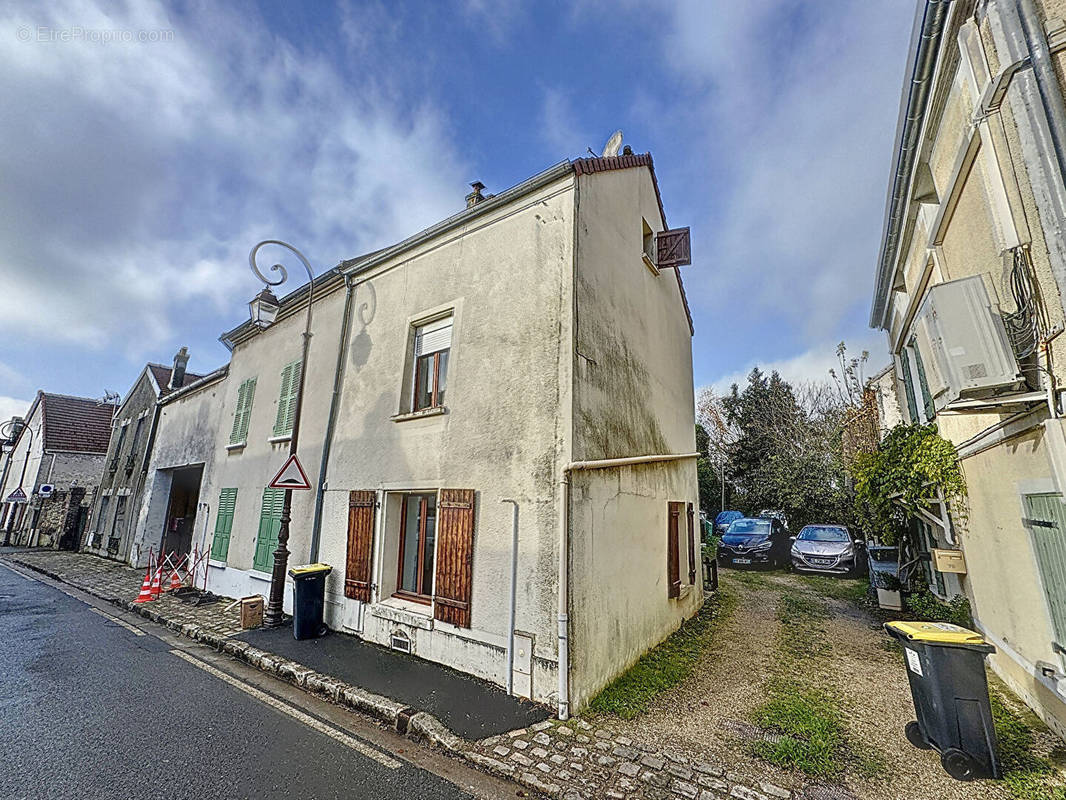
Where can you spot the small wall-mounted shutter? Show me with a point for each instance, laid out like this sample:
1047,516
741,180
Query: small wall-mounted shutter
227,503
361,506
673,554
927,399
691,545
673,248
908,385
455,556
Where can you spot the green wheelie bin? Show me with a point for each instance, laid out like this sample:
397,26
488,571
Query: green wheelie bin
946,670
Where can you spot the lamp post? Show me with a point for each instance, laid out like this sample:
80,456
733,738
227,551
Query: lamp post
264,311
10,431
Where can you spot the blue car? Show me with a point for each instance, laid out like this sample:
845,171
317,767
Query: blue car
724,518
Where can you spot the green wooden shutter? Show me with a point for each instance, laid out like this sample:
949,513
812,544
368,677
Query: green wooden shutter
927,399
227,502
266,541
1047,526
908,384
290,387
243,415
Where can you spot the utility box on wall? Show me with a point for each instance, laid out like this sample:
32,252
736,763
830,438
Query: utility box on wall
963,343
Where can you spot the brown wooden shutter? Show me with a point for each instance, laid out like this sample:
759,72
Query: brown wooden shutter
691,546
455,556
673,554
361,506
673,248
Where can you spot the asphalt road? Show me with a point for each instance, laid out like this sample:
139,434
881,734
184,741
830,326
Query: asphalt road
90,709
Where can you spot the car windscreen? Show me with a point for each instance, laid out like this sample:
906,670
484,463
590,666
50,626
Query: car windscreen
749,527
725,517
823,533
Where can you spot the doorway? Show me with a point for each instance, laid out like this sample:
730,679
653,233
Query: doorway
181,510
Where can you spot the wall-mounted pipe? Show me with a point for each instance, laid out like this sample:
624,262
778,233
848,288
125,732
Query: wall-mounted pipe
514,595
564,555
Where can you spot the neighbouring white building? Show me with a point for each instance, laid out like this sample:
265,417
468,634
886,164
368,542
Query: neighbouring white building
533,349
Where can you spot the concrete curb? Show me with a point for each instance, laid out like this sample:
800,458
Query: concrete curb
419,726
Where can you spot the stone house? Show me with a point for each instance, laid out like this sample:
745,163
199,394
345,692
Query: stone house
126,464
534,350
56,463
969,289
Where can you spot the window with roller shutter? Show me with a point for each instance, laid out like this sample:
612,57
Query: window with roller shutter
290,389
673,549
227,503
455,556
432,347
266,541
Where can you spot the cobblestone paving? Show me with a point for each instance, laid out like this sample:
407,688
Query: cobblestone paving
111,580
577,760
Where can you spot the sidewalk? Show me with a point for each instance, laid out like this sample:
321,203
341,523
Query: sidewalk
468,718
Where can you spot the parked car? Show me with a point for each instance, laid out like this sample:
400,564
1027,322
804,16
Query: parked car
827,548
771,513
749,542
724,518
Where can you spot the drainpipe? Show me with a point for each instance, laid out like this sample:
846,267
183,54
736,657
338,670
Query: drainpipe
338,377
514,595
564,554
1046,80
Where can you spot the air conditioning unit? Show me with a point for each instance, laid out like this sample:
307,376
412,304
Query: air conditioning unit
963,343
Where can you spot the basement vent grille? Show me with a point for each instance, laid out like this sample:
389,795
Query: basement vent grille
400,642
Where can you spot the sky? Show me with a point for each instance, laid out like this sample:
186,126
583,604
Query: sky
144,148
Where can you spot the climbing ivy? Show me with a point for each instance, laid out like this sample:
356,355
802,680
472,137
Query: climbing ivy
905,471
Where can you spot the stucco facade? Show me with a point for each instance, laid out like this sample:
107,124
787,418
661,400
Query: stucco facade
565,346
981,193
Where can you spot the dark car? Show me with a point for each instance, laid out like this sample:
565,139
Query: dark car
827,548
723,520
748,542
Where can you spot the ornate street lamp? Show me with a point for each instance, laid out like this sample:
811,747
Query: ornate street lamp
10,432
264,311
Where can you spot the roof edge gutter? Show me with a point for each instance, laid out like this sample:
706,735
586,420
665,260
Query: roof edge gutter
925,47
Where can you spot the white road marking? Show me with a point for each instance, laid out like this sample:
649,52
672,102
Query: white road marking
300,716
135,631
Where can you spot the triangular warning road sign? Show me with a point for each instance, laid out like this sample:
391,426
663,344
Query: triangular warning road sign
19,496
291,476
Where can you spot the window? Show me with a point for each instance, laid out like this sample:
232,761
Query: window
101,521
691,545
433,343
927,399
290,391
117,525
121,437
269,527
673,550
418,538
648,241
227,502
243,415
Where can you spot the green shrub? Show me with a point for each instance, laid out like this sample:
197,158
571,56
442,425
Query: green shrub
928,607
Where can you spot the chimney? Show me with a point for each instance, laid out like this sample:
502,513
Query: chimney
177,374
475,196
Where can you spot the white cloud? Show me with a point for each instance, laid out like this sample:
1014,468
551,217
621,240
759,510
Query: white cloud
812,365
141,174
12,407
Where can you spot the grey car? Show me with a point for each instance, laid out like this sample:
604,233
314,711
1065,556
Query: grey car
827,548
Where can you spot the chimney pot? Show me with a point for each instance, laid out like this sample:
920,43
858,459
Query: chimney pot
475,196
177,374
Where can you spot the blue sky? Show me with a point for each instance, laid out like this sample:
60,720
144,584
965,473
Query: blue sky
137,175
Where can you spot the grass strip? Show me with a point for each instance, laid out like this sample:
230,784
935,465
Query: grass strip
1027,775
666,665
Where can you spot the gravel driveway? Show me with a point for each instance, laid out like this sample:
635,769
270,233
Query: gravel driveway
709,715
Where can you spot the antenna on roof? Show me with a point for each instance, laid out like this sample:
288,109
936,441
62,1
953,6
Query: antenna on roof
613,145
109,399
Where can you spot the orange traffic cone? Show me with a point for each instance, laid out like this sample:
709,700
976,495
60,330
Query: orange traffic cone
146,589
175,581
156,587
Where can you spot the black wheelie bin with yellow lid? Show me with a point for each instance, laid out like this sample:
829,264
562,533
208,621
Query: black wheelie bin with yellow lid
946,670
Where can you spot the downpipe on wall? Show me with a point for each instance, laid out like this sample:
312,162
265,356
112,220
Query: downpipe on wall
514,595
